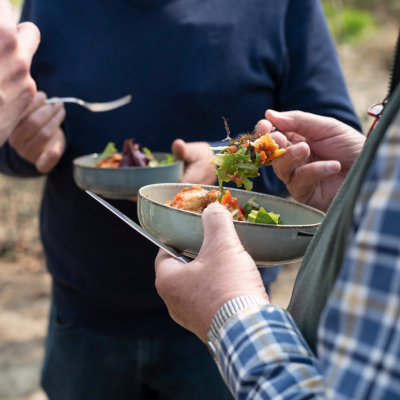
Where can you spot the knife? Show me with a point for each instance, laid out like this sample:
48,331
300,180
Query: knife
173,253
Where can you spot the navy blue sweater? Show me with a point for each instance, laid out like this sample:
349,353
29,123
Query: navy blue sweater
186,63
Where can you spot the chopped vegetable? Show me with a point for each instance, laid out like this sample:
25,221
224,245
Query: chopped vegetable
108,151
263,217
251,205
147,152
133,155
168,160
237,167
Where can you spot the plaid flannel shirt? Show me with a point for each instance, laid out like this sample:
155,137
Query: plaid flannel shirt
262,354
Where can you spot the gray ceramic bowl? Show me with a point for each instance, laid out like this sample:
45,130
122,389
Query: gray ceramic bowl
267,244
122,183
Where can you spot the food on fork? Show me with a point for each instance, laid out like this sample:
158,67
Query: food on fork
133,155
243,157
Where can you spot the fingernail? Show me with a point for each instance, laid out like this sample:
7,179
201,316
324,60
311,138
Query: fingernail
333,166
296,150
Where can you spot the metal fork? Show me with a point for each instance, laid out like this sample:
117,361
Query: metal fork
95,107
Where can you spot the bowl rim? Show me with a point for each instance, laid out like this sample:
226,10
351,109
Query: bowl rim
141,196
76,160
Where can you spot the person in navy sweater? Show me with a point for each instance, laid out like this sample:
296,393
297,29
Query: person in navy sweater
186,64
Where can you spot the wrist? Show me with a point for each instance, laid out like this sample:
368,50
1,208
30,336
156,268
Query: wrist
228,311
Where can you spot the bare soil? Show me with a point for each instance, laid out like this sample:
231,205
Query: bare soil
25,284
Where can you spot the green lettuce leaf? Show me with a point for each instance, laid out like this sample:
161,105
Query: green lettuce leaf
110,149
239,162
251,205
148,153
168,160
263,217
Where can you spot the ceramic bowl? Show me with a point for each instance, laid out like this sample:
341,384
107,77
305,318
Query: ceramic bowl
122,183
267,244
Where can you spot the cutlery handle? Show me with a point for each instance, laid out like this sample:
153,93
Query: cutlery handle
63,100
305,234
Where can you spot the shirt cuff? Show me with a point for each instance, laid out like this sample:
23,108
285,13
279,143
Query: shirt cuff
262,345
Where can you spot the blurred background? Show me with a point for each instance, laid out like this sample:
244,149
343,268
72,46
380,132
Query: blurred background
365,32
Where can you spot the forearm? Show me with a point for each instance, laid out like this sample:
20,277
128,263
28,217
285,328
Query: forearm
262,355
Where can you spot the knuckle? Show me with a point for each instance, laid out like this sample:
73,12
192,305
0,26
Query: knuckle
45,135
34,122
28,91
21,66
300,176
51,159
53,156
8,40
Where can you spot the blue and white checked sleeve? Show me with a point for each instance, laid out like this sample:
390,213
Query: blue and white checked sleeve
261,353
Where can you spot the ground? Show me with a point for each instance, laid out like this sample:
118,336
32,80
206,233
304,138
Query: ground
25,285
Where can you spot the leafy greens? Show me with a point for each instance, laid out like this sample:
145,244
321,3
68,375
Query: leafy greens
263,217
110,149
237,167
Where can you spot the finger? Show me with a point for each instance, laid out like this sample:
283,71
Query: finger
284,165
280,139
179,149
165,263
201,173
46,133
305,124
28,39
26,131
264,126
308,175
190,175
219,231
52,153
6,15
37,102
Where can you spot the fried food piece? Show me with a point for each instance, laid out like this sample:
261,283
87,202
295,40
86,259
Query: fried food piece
110,162
196,199
266,147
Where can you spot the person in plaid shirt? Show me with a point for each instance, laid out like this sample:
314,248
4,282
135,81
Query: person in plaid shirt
258,347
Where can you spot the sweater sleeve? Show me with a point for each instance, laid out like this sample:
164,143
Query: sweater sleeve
311,78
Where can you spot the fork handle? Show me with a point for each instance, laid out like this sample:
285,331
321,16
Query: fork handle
64,100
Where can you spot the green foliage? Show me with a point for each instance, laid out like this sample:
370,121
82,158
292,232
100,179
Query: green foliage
16,3
349,25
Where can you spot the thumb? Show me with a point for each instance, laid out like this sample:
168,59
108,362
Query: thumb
219,231
29,39
307,125
179,149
